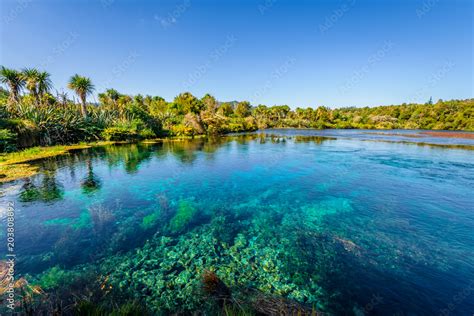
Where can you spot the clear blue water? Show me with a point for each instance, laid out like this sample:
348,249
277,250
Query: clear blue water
350,222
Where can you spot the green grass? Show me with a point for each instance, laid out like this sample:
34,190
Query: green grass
16,165
17,171
36,153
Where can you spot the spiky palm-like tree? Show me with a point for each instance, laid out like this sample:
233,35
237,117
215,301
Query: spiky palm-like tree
112,94
83,87
30,76
14,80
44,83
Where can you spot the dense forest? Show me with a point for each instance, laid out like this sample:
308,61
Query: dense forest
31,114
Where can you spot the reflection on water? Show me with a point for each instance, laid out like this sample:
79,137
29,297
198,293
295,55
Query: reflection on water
48,190
343,225
91,182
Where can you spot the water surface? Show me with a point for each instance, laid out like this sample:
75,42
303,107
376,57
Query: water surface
347,221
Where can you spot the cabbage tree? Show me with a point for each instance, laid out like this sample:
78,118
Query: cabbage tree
83,87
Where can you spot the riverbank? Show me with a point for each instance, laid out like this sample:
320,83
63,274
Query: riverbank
448,134
19,164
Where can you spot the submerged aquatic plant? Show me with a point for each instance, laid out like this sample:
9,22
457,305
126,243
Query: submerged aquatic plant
103,220
173,273
185,213
272,305
54,277
126,309
214,287
24,292
150,220
162,215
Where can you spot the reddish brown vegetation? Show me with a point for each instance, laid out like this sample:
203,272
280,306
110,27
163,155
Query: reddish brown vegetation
449,134
275,306
214,287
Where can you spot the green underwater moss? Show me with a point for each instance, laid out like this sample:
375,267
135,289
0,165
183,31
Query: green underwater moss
185,213
55,277
167,271
150,220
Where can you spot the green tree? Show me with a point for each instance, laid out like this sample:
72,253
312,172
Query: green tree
112,95
44,83
210,103
83,87
15,82
31,76
187,103
225,109
242,109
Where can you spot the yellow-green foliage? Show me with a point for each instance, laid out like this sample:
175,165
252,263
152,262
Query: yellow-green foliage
17,171
28,121
443,115
17,165
36,153
181,130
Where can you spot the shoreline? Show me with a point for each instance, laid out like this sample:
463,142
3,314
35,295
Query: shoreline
18,165
449,134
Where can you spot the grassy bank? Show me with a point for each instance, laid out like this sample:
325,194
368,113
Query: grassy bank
17,165
20,164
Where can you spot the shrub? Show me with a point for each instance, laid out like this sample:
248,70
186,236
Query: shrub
120,133
181,130
147,133
7,140
127,133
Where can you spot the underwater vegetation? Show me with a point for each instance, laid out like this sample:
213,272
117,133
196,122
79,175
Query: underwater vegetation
217,289
150,220
198,271
23,290
245,225
68,292
185,213
125,309
162,214
167,272
55,276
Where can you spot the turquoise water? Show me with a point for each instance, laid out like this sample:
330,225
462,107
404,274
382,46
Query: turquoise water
347,222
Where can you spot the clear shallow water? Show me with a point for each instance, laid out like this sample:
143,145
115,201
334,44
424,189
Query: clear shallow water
340,222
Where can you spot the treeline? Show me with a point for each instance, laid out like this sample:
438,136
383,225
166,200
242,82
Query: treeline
31,114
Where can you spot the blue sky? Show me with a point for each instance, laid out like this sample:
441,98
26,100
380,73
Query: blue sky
300,53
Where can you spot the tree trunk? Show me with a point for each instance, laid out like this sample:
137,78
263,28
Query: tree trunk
13,97
37,97
83,107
